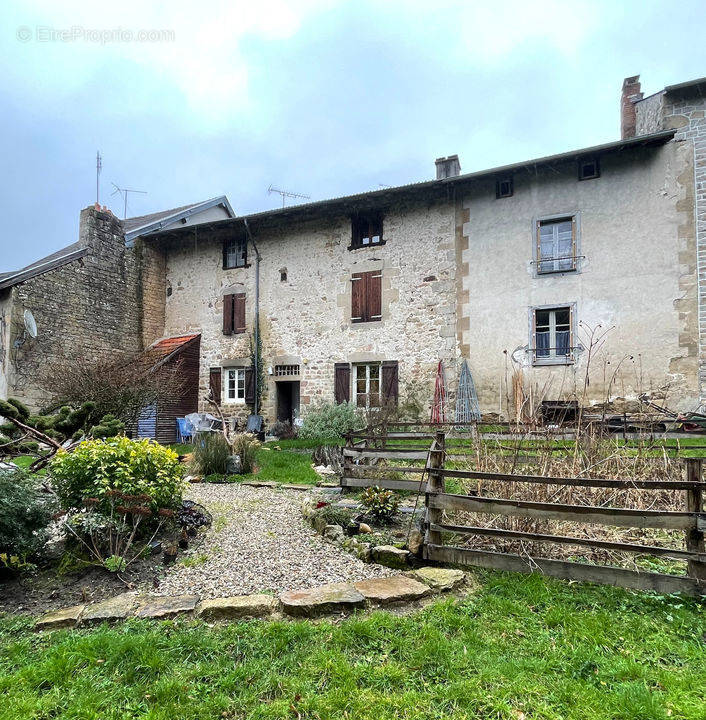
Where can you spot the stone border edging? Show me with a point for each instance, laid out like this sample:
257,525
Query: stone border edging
334,598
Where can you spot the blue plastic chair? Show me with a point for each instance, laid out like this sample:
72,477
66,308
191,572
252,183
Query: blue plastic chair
185,430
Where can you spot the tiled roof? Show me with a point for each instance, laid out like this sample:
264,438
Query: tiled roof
50,262
162,349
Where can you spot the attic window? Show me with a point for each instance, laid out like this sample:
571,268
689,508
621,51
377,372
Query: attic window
589,169
366,230
235,253
503,188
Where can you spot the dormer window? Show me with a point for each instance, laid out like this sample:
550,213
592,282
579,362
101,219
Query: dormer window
235,253
503,188
589,168
366,230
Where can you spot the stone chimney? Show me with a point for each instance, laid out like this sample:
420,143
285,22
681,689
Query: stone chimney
447,167
630,95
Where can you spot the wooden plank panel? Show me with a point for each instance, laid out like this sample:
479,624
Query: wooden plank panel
385,454
367,469
411,485
566,540
620,577
578,482
622,517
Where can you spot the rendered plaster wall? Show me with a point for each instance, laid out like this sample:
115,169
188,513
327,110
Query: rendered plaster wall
636,282
305,320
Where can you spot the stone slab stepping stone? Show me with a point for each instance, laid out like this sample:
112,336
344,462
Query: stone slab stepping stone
167,607
239,606
62,618
260,483
439,579
399,588
331,598
293,486
390,556
110,610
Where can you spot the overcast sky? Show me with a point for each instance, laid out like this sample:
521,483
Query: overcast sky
321,98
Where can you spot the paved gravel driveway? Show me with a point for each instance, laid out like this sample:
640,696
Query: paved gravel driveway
259,541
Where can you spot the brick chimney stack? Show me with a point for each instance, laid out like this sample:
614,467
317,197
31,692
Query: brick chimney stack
447,167
630,95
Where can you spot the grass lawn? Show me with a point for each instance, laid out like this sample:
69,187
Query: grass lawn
521,647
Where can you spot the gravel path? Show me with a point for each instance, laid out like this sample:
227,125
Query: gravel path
259,541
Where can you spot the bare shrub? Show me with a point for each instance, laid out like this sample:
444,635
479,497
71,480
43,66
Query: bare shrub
121,388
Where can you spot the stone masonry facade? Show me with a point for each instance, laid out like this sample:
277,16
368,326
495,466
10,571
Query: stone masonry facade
94,307
305,320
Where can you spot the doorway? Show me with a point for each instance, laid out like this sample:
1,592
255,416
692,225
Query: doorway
287,401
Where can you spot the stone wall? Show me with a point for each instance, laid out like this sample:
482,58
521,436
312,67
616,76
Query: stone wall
305,320
90,308
636,280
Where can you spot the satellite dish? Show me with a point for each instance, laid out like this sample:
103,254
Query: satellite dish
30,324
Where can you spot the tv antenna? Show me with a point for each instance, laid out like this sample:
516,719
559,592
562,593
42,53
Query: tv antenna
99,167
124,193
286,194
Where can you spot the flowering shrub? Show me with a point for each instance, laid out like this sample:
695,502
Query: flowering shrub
96,469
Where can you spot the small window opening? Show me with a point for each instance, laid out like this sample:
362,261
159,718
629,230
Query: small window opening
367,385
553,335
234,253
283,275
366,230
589,169
503,188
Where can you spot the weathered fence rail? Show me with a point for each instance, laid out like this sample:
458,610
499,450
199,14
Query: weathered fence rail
367,459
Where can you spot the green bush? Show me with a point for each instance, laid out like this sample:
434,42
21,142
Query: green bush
25,513
327,421
246,446
135,467
380,504
211,453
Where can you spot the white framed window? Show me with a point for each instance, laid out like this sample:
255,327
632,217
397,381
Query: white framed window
366,385
552,335
234,381
556,245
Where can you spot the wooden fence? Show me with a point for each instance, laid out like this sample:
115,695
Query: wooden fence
424,471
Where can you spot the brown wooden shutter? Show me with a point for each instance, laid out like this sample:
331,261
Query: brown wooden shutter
239,313
342,382
228,314
358,297
373,292
250,385
214,384
390,382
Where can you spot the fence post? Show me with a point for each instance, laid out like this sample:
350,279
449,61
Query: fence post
695,536
347,461
435,484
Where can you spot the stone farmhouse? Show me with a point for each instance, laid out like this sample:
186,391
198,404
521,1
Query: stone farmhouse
534,273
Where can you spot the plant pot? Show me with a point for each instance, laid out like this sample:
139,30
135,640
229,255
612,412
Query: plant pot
169,557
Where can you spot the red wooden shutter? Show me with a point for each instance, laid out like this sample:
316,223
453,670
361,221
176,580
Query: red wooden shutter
228,314
390,382
250,385
214,384
239,313
373,292
358,297
342,382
